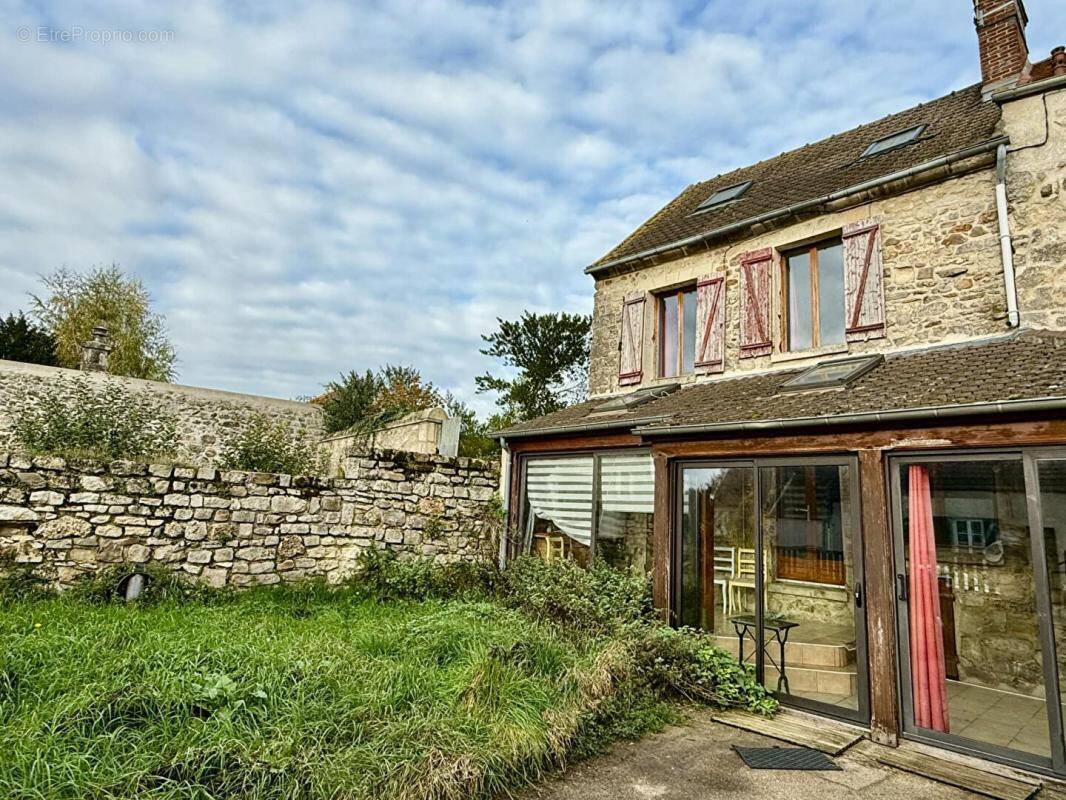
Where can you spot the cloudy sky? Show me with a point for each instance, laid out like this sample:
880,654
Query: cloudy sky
314,187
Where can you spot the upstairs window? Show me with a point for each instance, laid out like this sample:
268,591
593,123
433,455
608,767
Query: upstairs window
677,332
814,296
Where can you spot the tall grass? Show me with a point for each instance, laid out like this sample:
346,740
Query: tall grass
287,695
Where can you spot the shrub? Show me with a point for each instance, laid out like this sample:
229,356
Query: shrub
99,420
19,582
265,445
163,585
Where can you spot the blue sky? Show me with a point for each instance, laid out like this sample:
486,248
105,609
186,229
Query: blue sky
324,186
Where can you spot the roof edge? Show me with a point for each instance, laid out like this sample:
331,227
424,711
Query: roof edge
1057,403
769,216
577,428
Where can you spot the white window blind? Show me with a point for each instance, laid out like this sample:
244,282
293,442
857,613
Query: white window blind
627,484
560,489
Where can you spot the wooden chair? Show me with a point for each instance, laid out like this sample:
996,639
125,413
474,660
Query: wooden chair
725,567
745,576
556,548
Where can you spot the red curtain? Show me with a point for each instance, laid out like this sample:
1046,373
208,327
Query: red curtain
928,679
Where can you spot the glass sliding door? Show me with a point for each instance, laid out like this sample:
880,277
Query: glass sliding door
811,588
768,560
626,510
716,575
972,600
558,507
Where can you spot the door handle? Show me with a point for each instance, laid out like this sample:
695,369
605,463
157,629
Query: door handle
901,587
858,595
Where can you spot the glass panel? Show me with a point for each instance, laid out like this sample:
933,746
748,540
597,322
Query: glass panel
809,588
627,505
799,301
688,319
558,507
1053,510
668,336
974,649
831,293
717,549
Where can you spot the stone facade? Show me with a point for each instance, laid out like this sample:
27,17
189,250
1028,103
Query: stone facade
1036,193
241,528
205,417
942,273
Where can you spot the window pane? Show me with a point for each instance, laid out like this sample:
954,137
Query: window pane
809,583
688,317
1053,510
668,336
799,302
717,549
831,293
558,503
974,649
627,505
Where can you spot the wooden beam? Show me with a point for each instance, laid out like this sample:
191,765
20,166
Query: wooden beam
661,536
591,441
880,598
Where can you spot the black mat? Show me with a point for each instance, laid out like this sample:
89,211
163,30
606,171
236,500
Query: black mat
802,758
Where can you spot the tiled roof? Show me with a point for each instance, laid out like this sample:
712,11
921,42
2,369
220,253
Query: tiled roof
1027,365
953,123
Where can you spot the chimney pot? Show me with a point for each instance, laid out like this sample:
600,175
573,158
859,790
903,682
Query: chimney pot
95,352
1058,61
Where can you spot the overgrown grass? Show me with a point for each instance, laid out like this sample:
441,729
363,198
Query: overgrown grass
274,695
351,692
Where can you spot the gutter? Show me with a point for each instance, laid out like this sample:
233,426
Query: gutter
899,415
583,428
796,208
1017,93
1006,246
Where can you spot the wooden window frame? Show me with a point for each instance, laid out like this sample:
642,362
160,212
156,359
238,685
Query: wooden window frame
816,320
660,331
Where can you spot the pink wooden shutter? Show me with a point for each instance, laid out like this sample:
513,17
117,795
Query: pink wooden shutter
631,345
710,324
864,300
755,287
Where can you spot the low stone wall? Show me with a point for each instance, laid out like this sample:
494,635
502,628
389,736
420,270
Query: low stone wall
241,528
205,417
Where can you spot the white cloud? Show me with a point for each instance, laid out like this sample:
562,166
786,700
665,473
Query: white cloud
341,185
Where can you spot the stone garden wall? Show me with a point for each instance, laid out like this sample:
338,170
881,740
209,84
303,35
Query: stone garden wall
241,528
205,417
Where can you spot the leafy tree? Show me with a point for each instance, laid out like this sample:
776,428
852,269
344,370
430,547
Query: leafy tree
349,402
21,340
550,353
403,390
76,302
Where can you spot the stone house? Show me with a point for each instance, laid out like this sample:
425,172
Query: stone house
827,412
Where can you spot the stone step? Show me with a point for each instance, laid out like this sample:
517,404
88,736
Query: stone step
823,680
806,654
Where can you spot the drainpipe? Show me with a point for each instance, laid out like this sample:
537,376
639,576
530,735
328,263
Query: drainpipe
1006,246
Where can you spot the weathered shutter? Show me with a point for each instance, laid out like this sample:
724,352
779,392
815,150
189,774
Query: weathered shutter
864,299
755,283
631,345
710,324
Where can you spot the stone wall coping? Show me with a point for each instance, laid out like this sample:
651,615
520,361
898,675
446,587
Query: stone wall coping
198,392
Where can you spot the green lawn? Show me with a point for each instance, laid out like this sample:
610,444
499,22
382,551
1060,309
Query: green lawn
277,695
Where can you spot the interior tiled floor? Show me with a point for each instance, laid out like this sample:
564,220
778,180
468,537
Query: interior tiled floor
1001,718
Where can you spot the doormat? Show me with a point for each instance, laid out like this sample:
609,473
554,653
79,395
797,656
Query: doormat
801,758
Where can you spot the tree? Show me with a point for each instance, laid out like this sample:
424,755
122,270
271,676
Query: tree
349,402
21,340
551,354
76,302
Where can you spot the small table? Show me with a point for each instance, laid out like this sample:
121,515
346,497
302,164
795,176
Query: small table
747,625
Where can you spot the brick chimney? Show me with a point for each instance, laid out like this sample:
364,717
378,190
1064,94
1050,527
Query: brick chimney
1001,39
1058,62
95,352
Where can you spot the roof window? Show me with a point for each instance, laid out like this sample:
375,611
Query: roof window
629,401
892,142
831,374
724,196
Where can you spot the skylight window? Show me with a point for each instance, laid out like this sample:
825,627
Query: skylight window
831,374
724,196
893,141
638,398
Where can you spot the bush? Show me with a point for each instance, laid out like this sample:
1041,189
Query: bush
19,582
265,445
163,585
105,421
